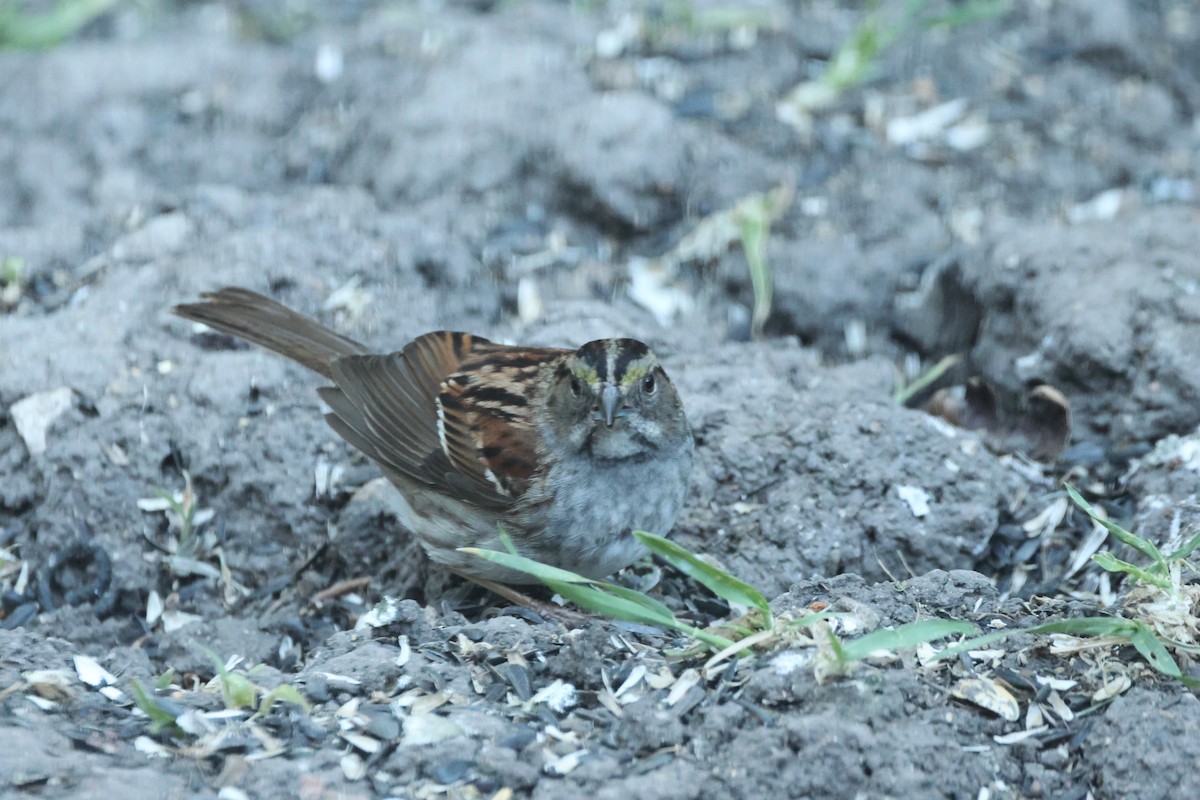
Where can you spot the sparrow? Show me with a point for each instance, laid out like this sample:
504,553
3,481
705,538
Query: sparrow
565,451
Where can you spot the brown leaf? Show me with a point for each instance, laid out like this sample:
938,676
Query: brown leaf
1041,432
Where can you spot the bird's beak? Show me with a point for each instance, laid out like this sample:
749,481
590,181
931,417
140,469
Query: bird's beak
609,397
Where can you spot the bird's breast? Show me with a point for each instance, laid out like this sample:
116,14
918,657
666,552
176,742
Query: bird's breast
596,504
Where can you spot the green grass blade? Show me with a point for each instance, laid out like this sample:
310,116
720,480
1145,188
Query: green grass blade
718,582
611,605
236,690
929,376
856,56
837,648
966,13
1140,635
756,227
595,595
610,600
1189,547
543,572
904,636
1111,563
634,596
815,617
283,693
1154,651
1143,546
166,679
159,717
974,643
24,29
1087,626
507,541
632,609
218,663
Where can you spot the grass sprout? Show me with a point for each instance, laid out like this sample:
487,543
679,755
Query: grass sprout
190,553
930,376
1160,605
165,680
755,218
747,224
1162,596
180,508
756,629
12,279
608,599
21,28
239,692
676,19
856,59
161,717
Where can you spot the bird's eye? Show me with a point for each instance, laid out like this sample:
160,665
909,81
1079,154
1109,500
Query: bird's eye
576,386
648,384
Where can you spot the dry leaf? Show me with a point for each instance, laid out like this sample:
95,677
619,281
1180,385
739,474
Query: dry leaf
988,694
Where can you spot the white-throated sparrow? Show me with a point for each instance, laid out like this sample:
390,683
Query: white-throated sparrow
566,450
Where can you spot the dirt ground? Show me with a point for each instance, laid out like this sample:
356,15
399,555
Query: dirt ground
1019,189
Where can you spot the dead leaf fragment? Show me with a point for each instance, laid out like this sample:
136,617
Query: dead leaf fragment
971,406
558,696
91,673
1060,707
1045,428
1112,688
154,608
34,414
422,729
367,744
789,661
990,695
930,123
562,765
1020,736
350,298
50,684
1042,431
151,748
687,679
173,619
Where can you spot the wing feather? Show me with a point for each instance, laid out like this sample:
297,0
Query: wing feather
451,410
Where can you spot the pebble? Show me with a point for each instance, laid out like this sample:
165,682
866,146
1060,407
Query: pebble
453,771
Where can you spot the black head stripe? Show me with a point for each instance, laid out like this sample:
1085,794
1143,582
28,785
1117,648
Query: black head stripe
595,355
628,350
609,359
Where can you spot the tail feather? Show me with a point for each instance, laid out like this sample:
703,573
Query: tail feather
262,321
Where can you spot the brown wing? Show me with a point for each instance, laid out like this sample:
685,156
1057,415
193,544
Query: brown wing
450,411
487,416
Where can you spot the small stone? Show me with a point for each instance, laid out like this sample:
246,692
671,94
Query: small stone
428,729
353,767
381,723
519,739
453,771
316,686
